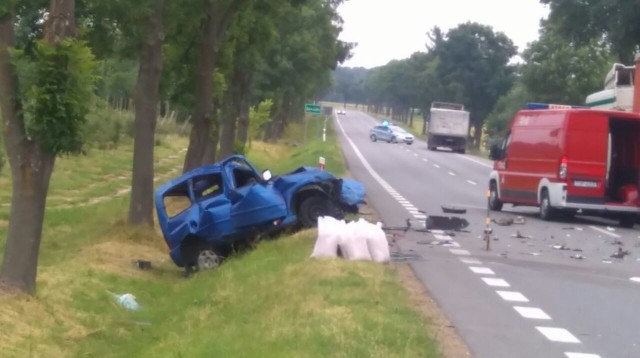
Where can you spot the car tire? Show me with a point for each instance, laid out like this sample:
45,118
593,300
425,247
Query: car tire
373,138
208,259
547,212
627,221
394,140
494,201
312,208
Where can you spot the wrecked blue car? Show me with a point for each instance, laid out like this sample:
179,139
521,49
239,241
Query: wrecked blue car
206,211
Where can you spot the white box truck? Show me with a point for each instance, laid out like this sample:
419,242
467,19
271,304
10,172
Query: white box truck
448,127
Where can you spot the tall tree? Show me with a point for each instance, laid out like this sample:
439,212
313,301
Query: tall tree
586,20
474,69
41,120
560,71
146,103
219,14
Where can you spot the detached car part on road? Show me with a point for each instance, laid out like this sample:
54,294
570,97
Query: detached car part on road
205,211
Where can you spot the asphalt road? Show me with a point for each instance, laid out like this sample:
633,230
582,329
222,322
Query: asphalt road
525,297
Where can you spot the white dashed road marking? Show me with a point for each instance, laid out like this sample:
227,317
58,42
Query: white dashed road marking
460,252
471,261
512,296
496,282
452,174
531,312
415,154
472,182
635,279
558,335
605,232
425,159
420,216
436,165
482,270
581,355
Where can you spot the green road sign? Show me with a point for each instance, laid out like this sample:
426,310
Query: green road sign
312,108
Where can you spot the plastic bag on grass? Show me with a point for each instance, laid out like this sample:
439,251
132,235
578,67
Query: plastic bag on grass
327,242
378,244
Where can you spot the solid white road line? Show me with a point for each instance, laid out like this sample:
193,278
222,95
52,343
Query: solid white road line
495,282
460,252
531,312
482,270
558,335
581,355
512,296
605,232
471,261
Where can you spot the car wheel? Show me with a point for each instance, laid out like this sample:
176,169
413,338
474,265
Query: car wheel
312,208
373,138
208,260
494,202
394,140
409,143
627,221
547,212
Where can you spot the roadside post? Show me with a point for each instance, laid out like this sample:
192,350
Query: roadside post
487,230
313,109
321,163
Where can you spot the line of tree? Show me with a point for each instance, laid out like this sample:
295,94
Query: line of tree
210,61
474,65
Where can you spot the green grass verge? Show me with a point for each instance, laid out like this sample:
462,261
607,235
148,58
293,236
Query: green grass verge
272,301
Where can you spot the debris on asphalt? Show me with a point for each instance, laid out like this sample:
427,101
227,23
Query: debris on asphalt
519,220
577,250
577,257
609,228
518,235
404,257
453,210
452,223
503,221
620,254
535,254
605,261
573,228
617,242
561,247
503,254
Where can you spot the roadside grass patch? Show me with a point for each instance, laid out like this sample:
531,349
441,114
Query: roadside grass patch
272,301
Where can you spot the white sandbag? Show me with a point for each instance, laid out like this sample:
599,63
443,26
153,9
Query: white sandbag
358,241
327,242
378,244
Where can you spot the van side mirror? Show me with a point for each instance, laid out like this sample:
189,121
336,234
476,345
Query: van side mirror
266,175
495,153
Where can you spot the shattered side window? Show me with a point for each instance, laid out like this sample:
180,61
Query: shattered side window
177,200
207,186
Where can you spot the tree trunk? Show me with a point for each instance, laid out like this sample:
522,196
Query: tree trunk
230,118
31,166
211,149
146,110
216,23
243,118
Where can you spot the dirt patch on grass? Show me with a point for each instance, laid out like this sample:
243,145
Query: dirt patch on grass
4,223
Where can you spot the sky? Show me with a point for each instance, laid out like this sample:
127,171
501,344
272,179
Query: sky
394,29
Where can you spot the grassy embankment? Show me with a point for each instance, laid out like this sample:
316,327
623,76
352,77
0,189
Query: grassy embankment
270,302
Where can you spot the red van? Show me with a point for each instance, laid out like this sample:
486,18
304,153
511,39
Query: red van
569,159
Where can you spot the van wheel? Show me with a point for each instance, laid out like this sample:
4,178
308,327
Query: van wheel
373,138
547,212
627,221
494,202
